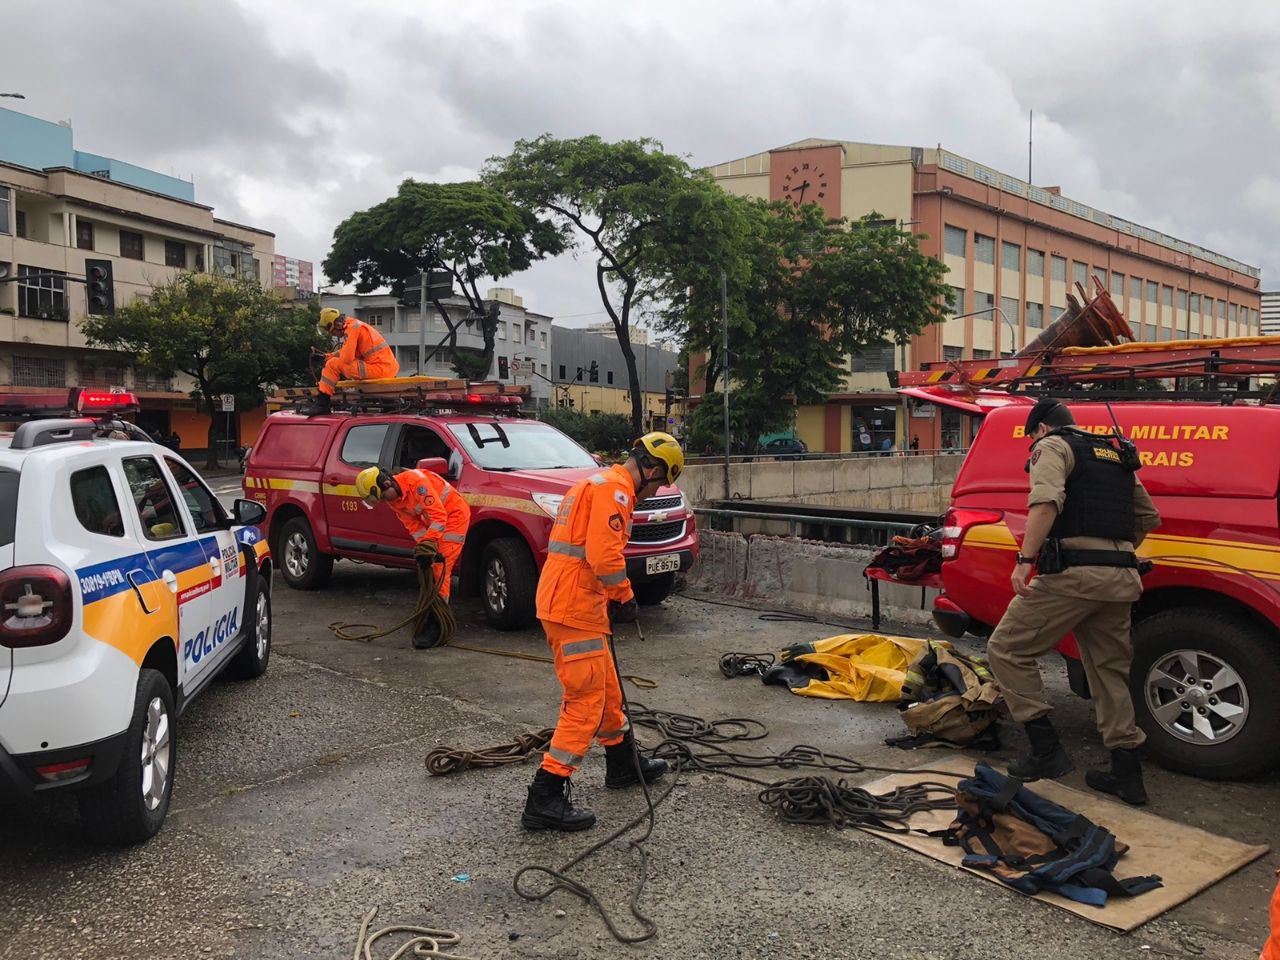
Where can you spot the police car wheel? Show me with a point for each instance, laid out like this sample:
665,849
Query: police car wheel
252,660
302,564
131,806
1201,682
509,580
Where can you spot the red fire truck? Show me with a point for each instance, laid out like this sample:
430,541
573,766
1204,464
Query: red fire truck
1206,669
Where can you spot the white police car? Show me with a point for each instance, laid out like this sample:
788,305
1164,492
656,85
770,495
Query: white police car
124,590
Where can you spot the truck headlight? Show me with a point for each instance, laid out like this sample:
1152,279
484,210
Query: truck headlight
549,502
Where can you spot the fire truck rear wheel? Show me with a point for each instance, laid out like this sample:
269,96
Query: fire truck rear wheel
509,581
1204,685
302,564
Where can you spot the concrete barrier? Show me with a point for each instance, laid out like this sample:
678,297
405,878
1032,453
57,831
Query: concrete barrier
806,576
917,484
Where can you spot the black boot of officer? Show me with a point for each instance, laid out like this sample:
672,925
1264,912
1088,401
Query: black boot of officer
1124,779
318,407
1047,759
620,761
550,805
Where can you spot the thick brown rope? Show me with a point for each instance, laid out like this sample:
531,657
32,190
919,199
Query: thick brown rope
430,604
443,761
423,941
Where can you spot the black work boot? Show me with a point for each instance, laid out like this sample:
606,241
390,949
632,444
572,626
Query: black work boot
1124,780
620,765
320,405
429,636
550,806
1047,759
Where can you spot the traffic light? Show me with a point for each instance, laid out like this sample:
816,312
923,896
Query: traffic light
502,368
99,288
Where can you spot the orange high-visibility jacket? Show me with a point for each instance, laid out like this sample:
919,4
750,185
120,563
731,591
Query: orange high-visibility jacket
430,508
585,567
364,352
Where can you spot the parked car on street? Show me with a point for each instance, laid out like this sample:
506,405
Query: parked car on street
513,472
127,588
783,447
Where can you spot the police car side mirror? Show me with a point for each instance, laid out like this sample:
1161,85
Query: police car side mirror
434,465
248,513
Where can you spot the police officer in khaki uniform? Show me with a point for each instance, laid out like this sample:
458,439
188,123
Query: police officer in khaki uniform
1076,573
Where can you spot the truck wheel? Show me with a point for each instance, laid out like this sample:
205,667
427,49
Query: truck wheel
1203,686
509,582
651,592
131,806
251,662
303,565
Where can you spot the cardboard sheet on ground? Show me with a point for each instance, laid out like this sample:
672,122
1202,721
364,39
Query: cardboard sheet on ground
1188,859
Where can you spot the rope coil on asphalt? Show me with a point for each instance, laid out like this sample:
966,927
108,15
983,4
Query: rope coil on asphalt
443,761
745,664
423,942
430,604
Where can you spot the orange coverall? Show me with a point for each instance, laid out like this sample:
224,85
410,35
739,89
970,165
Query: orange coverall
585,569
432,510
1271,949
364,355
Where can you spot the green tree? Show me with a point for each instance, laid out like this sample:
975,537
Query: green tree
804,292
632,206
598,432
467,228
230,336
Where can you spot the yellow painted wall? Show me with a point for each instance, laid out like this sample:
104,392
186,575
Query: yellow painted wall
883,187
811,427
593,398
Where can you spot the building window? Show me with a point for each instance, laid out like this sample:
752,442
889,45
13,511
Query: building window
1231,310
952,353
982,304
1055,311
542,340
373,319
533,336
130,244
1166,333
1058,268
5,204
872,359
1167,297
1079,272
1117,284
1035,263
609,377
1222,309
1148,332
1153,291
1182,300
562,373
1011,256
39,372
957,300
1195,303
1035,315
502,331
544,371
44,296
1208,311
84,234
21,217
984,249
1009,307
1102,275
979,355
594,373
954,240
200,258
175,254
1135,288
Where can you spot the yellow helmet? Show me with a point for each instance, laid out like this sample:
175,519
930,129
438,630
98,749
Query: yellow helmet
328,317
662,448
367,483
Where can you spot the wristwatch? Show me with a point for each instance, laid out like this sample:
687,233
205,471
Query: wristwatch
1019,559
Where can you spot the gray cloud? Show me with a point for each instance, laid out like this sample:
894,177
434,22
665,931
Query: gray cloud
293,114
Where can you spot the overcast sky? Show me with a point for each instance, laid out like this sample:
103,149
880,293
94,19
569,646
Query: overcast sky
291,114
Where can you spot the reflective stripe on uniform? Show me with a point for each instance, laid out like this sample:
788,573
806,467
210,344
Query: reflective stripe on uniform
436,527
455,537
568,549
612,579
565,757
328,380
444,494
606,734
363,372
369,353
598,479
575,647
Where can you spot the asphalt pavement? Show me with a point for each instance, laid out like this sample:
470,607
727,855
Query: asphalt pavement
302,801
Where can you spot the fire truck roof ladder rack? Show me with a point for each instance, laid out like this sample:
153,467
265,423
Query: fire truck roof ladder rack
412,394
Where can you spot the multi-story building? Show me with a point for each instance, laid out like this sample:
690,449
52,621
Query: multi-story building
1271,313
1012,251
522,350
604,388
60,206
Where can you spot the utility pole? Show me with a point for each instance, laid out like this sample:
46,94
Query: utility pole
422,325
1031,116
724,369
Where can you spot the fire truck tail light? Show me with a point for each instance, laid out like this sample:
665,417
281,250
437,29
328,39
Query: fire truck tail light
35,606
958,522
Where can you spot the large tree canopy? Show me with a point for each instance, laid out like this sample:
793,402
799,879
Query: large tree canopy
633,207
229,336
469,229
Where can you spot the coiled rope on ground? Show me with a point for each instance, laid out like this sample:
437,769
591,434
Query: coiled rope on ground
423,941
430,605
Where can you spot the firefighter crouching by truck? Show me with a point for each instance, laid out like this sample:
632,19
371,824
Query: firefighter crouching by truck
433,512
582,592
364,355
1087,511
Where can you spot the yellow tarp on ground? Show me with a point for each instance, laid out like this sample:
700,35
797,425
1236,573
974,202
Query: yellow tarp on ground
860,666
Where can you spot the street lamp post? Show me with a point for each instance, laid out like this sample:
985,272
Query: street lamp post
1013,331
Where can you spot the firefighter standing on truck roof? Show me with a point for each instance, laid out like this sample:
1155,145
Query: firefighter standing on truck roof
364,355
1086,512
582,592
432,511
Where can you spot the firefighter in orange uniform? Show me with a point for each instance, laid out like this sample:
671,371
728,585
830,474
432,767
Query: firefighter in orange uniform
582,592
431,510
364,355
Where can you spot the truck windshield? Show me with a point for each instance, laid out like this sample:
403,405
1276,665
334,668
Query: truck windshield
519,445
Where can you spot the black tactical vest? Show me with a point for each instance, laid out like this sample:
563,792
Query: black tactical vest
1099,491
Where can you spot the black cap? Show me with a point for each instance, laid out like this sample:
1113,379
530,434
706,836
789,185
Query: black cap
1047,410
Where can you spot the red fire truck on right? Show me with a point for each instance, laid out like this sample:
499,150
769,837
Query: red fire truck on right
1206,669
